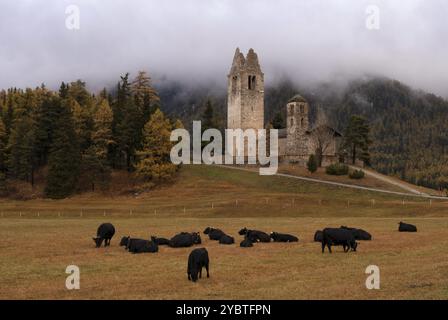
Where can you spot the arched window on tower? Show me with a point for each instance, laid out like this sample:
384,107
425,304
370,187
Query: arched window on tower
291,122
302,109
251,82
301,122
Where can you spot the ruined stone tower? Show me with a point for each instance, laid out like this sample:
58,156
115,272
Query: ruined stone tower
245,93
297,126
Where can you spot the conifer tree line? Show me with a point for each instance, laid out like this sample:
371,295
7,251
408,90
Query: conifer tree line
78,138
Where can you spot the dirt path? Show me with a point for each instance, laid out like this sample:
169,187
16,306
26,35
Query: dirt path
390,181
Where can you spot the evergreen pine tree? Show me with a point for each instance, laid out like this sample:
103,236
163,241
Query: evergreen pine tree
356,139
64,157
312,164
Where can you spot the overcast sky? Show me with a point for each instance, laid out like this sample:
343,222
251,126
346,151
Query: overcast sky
308,40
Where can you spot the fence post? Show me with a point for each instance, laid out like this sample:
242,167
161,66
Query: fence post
213,206
104,213
184,209
236,203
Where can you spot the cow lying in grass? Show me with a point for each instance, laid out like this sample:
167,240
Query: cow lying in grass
185,239
359,234
246,243
226,239
197,259
219,235
282,237
141,246
162,241
214,234
338,237
406,227
255,235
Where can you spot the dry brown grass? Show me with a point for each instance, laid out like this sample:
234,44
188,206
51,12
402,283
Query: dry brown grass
35,251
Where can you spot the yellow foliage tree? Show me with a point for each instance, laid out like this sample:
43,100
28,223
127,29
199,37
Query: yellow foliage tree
154,164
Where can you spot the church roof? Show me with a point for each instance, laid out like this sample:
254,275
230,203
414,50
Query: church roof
297,98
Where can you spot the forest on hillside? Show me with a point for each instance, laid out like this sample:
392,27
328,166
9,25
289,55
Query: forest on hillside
75,139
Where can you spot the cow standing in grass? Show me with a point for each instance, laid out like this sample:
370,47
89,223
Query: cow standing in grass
104,233
338,237
197,259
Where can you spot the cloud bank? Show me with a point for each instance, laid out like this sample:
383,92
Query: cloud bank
194,40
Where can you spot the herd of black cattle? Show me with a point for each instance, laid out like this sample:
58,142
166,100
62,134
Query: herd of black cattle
198,258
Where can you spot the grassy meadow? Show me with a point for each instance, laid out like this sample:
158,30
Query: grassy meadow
40,238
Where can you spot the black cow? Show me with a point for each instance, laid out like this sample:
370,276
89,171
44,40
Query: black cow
214,234
282,237
105,232
359,234
406,227
318,236
338,237
185,239
246,243
140,246
126,241
255,235
226,239
197,259
162,241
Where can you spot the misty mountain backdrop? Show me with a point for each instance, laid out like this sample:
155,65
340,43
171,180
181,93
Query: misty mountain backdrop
408,126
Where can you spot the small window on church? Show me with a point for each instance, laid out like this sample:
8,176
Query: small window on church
291,109
292,122
302,109
251,82
301,122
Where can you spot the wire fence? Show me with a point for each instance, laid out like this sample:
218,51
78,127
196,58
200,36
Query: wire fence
237,207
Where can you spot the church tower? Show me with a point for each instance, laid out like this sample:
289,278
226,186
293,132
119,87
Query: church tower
245,93
297,126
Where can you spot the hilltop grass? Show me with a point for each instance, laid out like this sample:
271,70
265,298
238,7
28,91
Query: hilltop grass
35,250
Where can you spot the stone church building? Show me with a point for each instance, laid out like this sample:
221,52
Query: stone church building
245,110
